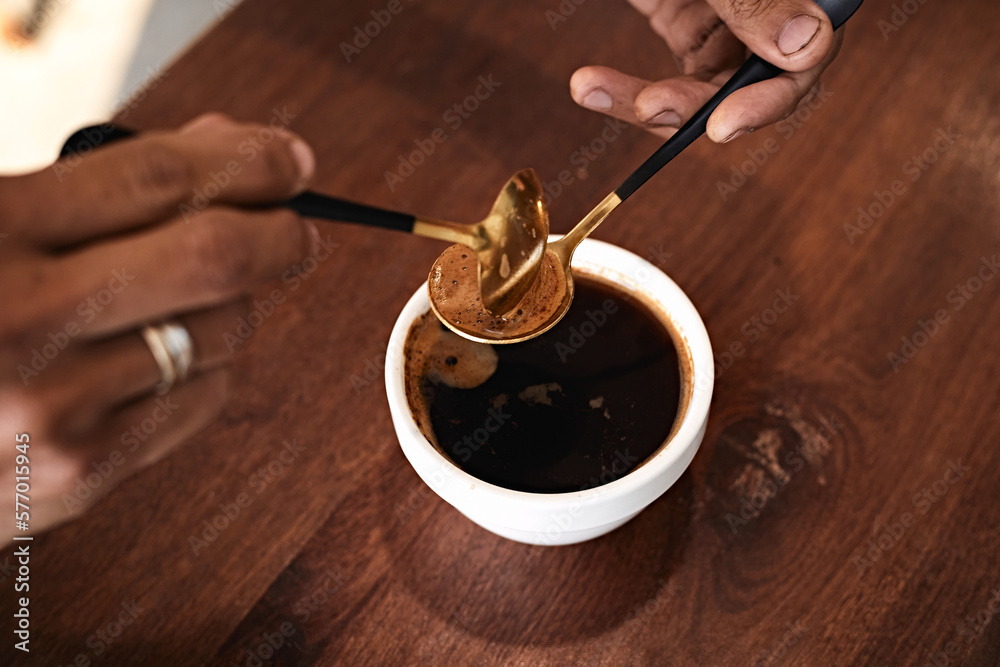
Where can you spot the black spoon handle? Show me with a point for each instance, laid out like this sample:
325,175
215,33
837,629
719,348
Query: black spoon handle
754,70
309,204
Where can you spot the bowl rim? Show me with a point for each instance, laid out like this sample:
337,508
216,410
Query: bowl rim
610,262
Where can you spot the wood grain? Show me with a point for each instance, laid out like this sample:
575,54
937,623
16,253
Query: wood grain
813,435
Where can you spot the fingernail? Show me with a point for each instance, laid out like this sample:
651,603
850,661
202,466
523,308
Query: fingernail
738,133
598,100
797,32
666,117
304,159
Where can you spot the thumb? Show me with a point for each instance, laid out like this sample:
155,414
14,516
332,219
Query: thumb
795,35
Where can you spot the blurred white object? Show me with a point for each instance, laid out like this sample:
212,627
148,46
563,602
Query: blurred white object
87,60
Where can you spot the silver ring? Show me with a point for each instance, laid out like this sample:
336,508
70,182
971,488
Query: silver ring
180,347
171,346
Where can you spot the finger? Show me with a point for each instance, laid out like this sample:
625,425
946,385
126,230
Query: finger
795,35
695,34
766,102
174,268
691,28
143,180
672,102
94,379
151,427
133,438
606,90
611,92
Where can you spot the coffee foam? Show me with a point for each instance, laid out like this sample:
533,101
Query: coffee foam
445,358
454,288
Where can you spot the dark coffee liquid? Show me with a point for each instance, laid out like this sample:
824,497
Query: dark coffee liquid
579,406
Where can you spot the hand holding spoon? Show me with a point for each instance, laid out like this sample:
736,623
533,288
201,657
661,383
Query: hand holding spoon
450,284
508,244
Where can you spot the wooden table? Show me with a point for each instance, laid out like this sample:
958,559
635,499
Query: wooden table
843,506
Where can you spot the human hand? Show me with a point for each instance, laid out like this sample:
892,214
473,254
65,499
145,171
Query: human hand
708,38
92,252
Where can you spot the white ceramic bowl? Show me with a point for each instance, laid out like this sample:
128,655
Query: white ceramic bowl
566,518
